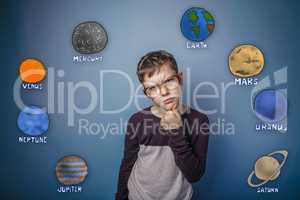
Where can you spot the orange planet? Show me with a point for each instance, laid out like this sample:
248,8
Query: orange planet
32,70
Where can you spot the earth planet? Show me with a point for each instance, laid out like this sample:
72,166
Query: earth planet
197,24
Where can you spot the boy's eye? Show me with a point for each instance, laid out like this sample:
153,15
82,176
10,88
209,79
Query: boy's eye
151,89
171,80
168,80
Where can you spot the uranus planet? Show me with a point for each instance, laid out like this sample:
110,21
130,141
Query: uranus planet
270,105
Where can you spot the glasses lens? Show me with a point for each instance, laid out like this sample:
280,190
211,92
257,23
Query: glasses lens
152,91
171,83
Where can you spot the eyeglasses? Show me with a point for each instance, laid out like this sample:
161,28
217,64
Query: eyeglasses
171,83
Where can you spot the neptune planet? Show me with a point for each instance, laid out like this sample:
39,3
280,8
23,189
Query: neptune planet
33,121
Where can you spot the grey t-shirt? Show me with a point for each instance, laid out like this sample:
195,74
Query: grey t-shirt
159,164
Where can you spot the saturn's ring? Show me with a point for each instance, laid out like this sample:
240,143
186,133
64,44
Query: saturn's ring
282,152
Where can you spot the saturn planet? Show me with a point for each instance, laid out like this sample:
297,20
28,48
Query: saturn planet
267,168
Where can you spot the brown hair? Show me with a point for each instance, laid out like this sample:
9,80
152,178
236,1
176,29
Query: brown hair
153,61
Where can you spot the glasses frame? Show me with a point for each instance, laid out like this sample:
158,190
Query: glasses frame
159,85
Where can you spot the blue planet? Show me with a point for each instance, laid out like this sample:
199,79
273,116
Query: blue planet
197,24
270,105
33,121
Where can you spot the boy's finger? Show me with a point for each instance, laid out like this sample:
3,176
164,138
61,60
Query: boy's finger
177,114
174,107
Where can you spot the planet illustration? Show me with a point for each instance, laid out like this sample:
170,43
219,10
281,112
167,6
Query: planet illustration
197,24
246,61
270,105
267,168
33,121
71,170
89,37
32,71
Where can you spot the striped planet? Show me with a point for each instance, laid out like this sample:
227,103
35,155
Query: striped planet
71,170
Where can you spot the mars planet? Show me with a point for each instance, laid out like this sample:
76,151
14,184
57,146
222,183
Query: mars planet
246,61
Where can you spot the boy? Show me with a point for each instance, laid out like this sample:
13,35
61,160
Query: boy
166,144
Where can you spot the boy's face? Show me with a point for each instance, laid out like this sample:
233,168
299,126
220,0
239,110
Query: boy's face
164,87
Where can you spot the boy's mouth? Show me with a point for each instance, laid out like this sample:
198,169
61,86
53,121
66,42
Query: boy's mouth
169,100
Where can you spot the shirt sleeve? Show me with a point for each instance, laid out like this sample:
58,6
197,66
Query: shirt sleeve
189,145
131,148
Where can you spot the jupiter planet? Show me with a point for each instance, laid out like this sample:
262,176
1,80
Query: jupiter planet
71,170
246,61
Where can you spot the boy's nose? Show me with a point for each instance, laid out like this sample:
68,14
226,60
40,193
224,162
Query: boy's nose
164,91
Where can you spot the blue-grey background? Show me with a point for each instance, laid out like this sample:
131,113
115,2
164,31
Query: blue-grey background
42,29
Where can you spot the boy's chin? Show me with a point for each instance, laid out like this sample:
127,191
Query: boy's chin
168,106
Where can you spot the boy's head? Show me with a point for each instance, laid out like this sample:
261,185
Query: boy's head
158,72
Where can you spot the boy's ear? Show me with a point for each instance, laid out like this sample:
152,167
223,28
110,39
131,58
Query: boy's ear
180,75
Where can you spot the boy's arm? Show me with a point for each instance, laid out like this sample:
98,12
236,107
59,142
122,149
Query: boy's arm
131,148
190,148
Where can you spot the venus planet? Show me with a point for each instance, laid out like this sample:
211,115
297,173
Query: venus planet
32,70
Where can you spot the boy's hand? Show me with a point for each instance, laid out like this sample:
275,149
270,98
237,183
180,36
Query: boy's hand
171,119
